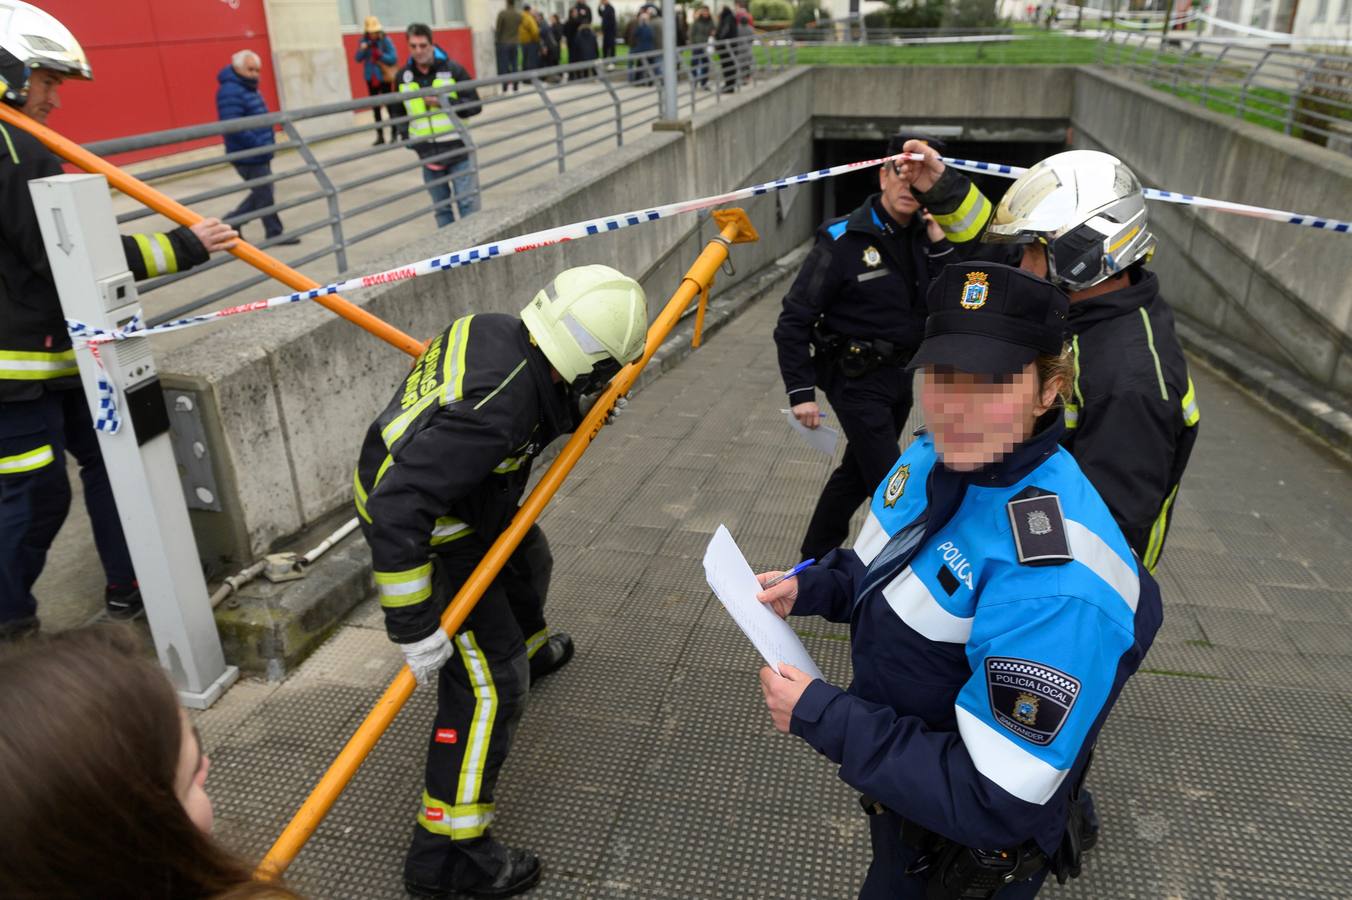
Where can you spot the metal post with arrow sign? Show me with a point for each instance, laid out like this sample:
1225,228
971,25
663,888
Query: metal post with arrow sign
84,249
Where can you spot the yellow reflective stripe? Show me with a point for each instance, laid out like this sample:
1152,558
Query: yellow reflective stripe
966,222
1191,414
1072,415
27,462
147,254
13,154
536,641
404,588
447,529
1075,356
511,464
167,248
438,122
1156,542
505,381
458,822
1150,340
1128,236
380,473
481,726
359,496
26,365
395,430
453,366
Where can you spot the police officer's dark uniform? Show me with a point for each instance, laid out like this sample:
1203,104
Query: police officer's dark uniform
43,410
850,322
1133,420
995,616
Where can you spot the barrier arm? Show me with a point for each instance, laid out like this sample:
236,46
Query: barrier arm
171,208
735,228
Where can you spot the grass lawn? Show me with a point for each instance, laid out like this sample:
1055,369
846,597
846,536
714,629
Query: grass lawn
1038,49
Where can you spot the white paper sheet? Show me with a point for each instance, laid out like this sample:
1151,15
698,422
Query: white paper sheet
735,585
822,438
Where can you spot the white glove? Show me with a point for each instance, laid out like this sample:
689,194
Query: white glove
426,657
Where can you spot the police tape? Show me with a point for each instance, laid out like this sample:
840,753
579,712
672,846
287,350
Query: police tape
92,337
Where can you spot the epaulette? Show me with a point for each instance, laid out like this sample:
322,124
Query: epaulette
1039,528
836,229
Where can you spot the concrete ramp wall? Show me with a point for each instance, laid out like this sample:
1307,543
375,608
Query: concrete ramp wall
286,397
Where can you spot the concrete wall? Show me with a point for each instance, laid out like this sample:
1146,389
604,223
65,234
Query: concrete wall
1283,291
287,397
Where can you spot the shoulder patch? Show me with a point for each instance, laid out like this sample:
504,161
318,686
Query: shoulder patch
1039,528
1030,699
836,229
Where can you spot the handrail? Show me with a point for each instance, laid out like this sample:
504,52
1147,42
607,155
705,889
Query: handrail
172,209
735,228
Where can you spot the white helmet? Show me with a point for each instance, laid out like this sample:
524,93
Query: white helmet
32,39
587,315
1086,207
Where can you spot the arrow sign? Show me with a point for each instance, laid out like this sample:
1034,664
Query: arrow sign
62,237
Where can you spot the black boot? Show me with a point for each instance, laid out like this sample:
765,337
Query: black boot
380,138
554,655
520,873
123,602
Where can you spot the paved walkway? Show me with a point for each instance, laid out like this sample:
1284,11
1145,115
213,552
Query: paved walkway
649,769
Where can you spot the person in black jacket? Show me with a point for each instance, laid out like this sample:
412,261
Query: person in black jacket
724,35
1078,219
850,322
609,28
439,477
433,131
43,411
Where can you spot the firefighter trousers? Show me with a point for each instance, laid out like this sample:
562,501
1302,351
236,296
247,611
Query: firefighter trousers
481,695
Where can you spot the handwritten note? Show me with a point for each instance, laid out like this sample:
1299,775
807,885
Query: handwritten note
735,585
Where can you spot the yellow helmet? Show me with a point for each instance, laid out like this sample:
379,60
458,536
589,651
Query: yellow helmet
32,39
588,314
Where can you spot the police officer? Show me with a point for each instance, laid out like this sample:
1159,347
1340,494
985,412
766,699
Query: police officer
43,412
432,130
995,611
1079,219
850,322
440,474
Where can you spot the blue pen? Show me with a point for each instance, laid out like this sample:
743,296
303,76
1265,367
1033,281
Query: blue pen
789,574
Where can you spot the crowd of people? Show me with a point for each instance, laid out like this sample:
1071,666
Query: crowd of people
999,594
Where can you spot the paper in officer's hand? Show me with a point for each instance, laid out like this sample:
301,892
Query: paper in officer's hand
822,438
735,585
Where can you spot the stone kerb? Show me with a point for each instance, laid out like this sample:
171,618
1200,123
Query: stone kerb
1279,289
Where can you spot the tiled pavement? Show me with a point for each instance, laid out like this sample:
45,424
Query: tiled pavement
649,768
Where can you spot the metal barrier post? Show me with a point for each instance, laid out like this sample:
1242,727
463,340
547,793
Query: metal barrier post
669,71
536,83
75,213
330,194
619,111
735,228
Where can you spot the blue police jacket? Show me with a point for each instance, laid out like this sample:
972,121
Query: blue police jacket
980,681
236,98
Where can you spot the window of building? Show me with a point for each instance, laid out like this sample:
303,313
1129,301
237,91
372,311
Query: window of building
1345,13
1321,11
396,15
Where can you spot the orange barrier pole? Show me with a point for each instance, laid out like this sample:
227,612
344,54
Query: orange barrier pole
171,208
735,228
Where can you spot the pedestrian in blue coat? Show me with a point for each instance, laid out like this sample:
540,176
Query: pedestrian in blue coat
237,98
380,66
995,612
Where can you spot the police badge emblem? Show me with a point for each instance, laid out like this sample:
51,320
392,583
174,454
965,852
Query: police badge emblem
872,258
896,486
974,291
1025,709
1039,522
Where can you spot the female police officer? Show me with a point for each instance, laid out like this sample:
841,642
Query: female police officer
995,608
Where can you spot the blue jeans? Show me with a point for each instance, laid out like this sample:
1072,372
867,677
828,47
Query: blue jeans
260,196
466,188
33,505
507,62
530,56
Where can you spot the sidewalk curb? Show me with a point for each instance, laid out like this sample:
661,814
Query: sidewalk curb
271,628
1289,394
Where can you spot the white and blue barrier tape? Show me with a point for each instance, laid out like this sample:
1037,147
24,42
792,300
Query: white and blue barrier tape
92,337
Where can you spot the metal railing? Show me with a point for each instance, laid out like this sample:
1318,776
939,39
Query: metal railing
1306,95
529,127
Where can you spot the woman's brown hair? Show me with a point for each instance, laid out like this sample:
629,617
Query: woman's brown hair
89,748
1061,365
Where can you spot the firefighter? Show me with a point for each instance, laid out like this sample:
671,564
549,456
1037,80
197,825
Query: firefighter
440,475
1078,219
43,411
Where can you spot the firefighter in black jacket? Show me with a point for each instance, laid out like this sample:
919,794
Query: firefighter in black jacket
851,320
1078,219
439,478
43,412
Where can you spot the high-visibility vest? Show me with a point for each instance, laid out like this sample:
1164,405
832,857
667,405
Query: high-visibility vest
426,126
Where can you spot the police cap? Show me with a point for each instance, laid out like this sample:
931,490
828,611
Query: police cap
989,319
898,141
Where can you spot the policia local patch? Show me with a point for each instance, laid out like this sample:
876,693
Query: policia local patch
1028,698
